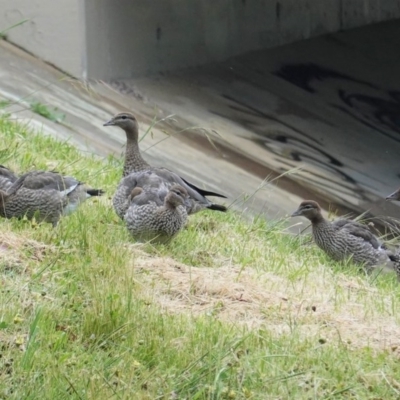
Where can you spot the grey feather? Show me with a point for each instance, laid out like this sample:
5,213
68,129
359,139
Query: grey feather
44,195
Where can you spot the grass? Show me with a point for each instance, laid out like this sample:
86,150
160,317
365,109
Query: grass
230,310
3,33
46,112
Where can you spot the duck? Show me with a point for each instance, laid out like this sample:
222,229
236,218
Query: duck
7,177
154,186
343,239
45,195
395,196
134,163
147,219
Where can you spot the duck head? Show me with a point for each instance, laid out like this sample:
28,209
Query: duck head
395,196
125,120
309,209
137,191
176,196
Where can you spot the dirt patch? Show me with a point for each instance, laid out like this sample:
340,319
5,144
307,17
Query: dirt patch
18,257
15,249
323,307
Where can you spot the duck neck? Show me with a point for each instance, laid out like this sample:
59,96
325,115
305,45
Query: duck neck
170,202
169,206
320,225
318,220
134,161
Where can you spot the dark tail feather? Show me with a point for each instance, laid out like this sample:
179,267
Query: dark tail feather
217,207
95,192
208,193
202,191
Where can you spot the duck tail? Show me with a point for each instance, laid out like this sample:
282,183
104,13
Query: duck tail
95,192
217,207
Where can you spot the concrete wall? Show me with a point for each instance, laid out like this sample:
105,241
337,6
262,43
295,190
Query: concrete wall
107,39
54,30
153,36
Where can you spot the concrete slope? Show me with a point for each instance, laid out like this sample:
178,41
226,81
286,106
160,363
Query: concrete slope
326,110
25,79
329,106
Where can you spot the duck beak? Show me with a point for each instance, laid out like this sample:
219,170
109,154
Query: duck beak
109,123
297,213
392,197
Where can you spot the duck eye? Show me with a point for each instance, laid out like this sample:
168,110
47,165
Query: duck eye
123,117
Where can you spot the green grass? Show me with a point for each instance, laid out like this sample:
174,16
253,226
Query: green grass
230,310
46,112
3,33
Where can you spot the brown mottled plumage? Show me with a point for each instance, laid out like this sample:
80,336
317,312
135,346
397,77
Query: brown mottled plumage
343,239
146,220
134,163
46,196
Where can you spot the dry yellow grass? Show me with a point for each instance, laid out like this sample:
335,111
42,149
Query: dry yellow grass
266,300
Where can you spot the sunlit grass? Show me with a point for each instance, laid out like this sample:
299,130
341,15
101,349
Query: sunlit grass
231,309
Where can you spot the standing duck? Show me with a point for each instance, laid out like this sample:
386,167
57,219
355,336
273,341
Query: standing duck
147,220
343,239
45,195
134,163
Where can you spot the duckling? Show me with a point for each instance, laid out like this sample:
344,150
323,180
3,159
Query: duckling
140,198
344,239
45,195
134,163
147,220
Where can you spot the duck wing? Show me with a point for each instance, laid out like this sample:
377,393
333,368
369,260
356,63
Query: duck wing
359,230
46,180
146,198
158,181
171,178
149,181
